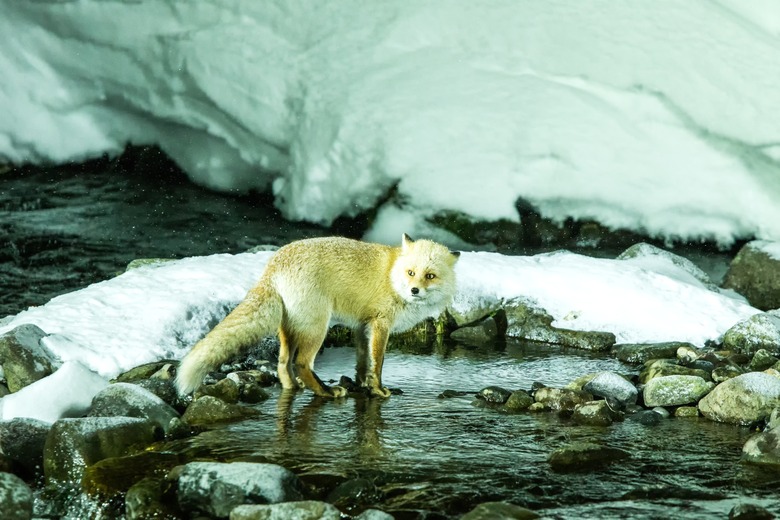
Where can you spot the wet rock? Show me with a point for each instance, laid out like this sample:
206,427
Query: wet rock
686,411
745,399
584,456
528,322
755,274
726,372
22,441
210,410
373,514
688,354
646,417
147,262
665,367
494,395
115,475
610,384
74,444
749,512
215,488
449,394
225,389
561,399
643,352
762,360
594,413
250,385
763,448
262,377
474,311
518,401
165,390
23,358
675,390
499,511
653,258
156,369
354,494
129,400
303,510
705,366
481,333
760,331
146,499
16,498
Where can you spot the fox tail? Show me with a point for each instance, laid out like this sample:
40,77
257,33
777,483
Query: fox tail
259,315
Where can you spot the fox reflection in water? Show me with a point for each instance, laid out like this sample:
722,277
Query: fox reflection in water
297,430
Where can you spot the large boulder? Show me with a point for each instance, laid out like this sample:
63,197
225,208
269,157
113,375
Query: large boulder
745,399
758,332
130,400
16,499
612,385
755,273
211,410
22,441
763,448
23,358
215,488
302,510
643,352
675,390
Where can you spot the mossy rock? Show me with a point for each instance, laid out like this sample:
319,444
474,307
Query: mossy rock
115,475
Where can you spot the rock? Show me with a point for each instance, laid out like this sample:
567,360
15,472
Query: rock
760,331
373,514
22,357
474,311
210,410
518,401
749,512
250,385
499,511
686,411
745,399
146,371
22,441
147,262
215,488
584,456
755,274
675,390
528,322
449,394
263,378
646,417
303,510
643,352
16,498
610,384
129,400
494,395
763,448
354,494
653,258
688,354
594,413
115,475
74,444
146,499
481,333
561,399
165,390
665,367
726,372
762,360
225,389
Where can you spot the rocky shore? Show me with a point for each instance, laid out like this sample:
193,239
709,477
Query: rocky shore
109,448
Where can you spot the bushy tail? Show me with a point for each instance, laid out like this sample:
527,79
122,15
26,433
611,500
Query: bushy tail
259,315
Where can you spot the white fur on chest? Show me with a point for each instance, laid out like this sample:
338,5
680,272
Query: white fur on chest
412,314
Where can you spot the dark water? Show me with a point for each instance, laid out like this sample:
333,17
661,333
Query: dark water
64,228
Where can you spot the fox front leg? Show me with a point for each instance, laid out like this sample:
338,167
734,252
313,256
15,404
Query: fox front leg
376,352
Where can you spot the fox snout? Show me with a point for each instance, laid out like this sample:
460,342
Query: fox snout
415,291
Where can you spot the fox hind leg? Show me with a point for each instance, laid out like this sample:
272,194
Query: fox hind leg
307,347
287,352
360,341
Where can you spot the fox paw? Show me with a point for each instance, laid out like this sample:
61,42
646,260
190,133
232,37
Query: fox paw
338,391
380,391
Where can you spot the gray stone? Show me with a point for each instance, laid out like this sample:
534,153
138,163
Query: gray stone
215,488
763,448
373,514
745,399
675,390
518,401
666,367
750,512
756,275
224,389
210,410
22,441
145,371
594,413
481,333
474,311
561,399
686,411
761,361
524,320
302,510
647,251
354,494
643,352
584,456
22,357
16,498
494,395
760,331
129,400
74,444
610,384
726,372
499,511
145,499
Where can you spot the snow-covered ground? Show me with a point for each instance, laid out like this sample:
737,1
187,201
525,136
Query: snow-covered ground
656,116
158,312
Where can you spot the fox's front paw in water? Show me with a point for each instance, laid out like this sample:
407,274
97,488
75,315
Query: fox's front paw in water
338,391
380,391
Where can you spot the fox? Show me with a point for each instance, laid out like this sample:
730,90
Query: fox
309,284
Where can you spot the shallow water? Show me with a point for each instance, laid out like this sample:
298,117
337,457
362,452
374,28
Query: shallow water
425,453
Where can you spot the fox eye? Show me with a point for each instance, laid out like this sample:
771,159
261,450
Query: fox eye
410,272
430,276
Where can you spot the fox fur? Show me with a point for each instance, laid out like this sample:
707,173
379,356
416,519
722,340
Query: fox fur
309,284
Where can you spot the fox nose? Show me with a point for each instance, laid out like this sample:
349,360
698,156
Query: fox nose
415,290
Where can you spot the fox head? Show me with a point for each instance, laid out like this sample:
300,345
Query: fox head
424,272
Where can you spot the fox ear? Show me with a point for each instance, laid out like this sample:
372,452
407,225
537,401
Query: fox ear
455,256
406,241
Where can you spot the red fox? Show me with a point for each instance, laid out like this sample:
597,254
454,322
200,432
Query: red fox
309,284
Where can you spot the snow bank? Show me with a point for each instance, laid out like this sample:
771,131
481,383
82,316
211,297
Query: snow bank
646,115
